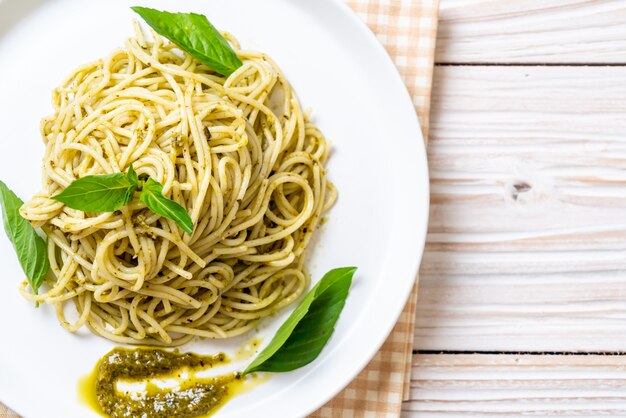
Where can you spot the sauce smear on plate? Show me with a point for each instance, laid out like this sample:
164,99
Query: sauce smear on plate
111,389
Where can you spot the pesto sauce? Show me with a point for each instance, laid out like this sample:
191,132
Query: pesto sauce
193,397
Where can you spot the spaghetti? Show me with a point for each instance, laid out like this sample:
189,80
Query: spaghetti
237,153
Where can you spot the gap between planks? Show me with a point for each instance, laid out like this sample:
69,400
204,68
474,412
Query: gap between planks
516,385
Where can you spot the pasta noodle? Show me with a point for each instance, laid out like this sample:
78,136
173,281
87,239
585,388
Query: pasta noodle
237,153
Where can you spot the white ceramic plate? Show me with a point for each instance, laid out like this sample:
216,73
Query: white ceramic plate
379,166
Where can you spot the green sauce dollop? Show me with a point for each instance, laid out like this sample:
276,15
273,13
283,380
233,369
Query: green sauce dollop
193,397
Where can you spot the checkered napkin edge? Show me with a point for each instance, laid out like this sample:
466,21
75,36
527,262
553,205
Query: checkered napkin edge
408,30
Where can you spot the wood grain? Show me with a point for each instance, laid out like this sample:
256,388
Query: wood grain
527,243
527,240
532,31
516,385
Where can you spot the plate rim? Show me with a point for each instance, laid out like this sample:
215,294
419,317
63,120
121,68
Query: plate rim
424,197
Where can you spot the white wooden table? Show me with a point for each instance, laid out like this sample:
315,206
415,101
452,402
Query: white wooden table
522,305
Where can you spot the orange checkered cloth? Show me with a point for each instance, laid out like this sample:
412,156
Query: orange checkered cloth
408,29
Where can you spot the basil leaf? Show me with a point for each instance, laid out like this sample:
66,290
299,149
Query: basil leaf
305,333
132,176
105,193
152,196
194,34
31,249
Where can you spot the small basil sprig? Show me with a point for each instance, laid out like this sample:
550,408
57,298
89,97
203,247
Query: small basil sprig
194,34
305,333
152,196
109,192
31,249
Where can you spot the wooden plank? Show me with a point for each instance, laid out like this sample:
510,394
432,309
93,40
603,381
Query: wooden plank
532,31
527,242
515,385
